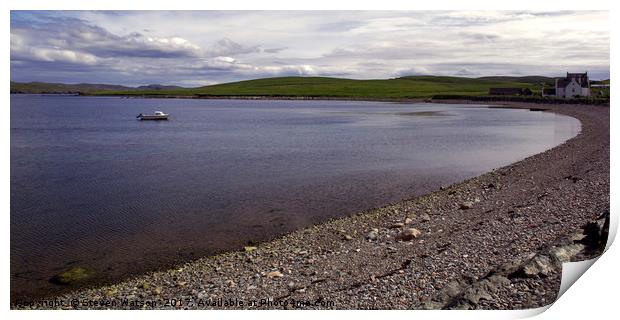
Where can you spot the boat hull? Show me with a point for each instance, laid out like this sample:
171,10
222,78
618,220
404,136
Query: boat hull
151,117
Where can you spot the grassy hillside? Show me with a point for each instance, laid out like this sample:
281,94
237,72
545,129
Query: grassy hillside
527,79
45,87
600,82
406,87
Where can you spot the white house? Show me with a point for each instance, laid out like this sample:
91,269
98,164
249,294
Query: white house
575,84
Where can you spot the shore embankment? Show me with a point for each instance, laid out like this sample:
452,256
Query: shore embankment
490,242
444,98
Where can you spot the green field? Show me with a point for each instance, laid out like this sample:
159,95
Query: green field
405,87
52,88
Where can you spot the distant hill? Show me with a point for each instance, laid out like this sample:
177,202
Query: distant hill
80,88
404,87
526,79
55,88
600,82
158,87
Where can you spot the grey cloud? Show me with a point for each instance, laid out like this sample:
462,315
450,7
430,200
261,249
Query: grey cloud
545,13
340,26
402,49
274,50
80,37
227,47
479,36
467,19
372,64
458,19
466,73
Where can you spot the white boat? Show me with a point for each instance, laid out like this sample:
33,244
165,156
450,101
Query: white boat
157,116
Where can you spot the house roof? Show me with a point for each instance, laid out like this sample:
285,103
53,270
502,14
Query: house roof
577,74
581,78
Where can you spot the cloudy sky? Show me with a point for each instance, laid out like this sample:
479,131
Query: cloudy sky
193,48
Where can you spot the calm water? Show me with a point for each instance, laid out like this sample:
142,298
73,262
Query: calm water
93,186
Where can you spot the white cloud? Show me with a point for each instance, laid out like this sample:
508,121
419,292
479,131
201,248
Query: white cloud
54,55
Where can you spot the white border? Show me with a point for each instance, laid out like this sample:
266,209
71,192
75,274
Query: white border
592,296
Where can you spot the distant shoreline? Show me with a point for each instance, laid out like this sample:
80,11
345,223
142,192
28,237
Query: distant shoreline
230,97
439,99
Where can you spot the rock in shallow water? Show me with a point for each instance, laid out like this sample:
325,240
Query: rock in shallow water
71,276
249,248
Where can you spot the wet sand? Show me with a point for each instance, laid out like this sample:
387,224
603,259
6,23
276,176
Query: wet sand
468,235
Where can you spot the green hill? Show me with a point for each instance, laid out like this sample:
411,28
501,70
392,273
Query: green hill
527,79
405,87
55,88
83,88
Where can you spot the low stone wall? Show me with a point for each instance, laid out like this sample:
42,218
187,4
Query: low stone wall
529,99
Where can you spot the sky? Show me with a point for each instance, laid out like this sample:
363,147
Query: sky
196,48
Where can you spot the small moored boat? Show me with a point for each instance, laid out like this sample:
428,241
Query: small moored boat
157,116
